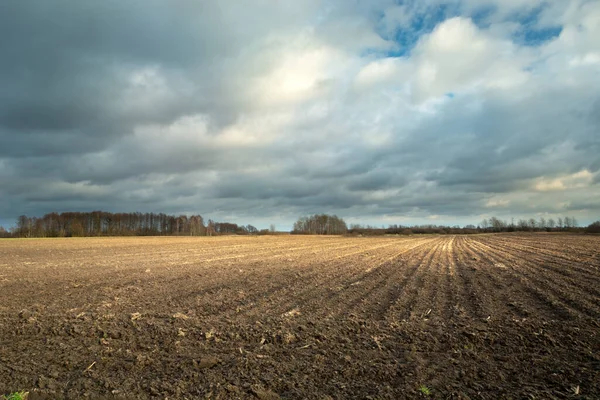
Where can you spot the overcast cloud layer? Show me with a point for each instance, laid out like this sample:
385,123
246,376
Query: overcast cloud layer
258,112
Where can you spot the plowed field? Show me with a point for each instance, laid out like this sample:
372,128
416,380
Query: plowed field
440,317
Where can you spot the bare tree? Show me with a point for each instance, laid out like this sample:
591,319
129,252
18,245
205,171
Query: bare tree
210,228
523,225
542,223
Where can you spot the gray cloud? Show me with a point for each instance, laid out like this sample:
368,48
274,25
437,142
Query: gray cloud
263,112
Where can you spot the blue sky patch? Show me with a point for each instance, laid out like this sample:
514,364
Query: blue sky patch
536,37
421,24
530,34
426,19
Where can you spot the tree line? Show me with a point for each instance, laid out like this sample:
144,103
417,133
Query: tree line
102,223
488,225
494,224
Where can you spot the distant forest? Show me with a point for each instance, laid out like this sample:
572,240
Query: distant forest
488,225
101,223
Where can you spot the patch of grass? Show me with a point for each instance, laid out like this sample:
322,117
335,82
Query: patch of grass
424,390
15,396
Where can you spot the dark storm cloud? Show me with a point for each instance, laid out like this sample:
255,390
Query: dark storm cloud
499,147
65,63
376,180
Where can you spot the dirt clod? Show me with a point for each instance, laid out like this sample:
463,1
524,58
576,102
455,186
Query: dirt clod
264,394
206,362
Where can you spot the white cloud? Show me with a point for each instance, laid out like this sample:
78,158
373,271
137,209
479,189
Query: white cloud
591,58
381,71
458,56
304,68
497,203
579,179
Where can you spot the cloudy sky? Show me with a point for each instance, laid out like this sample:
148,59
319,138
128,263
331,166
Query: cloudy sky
381,111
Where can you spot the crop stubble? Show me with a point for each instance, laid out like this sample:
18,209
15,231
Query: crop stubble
483,316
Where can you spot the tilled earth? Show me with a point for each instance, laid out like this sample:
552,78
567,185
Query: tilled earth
441,317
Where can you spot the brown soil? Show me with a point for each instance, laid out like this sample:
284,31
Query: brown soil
469,317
